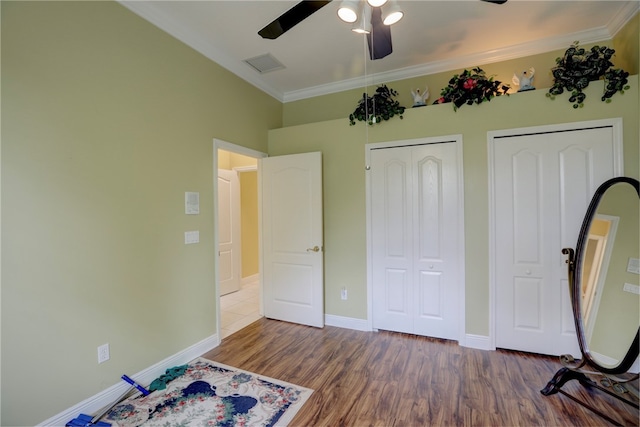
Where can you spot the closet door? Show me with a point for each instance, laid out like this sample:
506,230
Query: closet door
392,239
415,237
542,186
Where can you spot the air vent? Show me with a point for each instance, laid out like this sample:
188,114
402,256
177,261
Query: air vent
264,63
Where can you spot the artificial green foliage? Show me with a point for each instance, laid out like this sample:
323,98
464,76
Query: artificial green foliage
380,106
579,66
170,374
471,87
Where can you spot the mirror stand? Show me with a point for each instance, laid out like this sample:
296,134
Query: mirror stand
616,387
604,286
587,373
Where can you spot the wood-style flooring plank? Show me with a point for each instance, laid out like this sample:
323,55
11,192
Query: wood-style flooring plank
393,379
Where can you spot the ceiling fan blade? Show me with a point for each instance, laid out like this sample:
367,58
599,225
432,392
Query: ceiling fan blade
496,1
379,39
291,18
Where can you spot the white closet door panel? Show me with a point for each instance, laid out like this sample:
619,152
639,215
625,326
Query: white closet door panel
521,244
392,241
429,206
527,211
527,298
542,187
583,166
396,216
395,306
436,242
431,293
415,235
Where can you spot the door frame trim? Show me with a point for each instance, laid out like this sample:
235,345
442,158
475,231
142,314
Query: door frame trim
457,140
219,144
618,162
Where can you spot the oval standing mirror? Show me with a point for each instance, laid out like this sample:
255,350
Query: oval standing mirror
606,292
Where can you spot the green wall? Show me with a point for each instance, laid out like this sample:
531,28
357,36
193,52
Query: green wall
342,148
625,43
106,122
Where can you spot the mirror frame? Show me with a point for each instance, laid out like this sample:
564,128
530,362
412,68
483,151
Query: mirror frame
576,300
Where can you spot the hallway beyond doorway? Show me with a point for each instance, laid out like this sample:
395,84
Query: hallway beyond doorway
239,309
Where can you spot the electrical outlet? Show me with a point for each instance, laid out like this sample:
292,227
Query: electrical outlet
343,293
103,353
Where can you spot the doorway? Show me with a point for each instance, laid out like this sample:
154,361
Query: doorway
238,284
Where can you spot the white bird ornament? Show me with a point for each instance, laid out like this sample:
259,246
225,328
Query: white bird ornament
524,80
419,99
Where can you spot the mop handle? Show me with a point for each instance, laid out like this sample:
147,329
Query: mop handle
104,411
141,389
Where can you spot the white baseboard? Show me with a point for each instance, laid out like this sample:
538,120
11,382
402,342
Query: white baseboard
479,342
93,404
346,322
249,279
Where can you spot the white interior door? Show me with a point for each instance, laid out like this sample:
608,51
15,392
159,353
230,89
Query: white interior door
228,231
292,238
415,239
542,184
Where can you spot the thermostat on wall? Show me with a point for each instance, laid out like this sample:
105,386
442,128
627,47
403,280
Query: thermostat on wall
191,203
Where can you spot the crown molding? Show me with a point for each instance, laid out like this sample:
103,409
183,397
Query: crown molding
488,57
147,11
623,17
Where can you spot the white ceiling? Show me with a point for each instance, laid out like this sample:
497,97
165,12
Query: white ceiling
321,55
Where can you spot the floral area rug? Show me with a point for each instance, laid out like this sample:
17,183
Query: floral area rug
213,394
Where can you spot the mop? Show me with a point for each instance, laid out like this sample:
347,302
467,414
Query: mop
84,420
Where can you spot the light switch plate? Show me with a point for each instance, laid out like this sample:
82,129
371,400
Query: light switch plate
191,237
633,266
191,203
634,289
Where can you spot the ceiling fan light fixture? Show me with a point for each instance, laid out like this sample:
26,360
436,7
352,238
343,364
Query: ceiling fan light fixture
361,30
393,14
363,26
376,3
348,11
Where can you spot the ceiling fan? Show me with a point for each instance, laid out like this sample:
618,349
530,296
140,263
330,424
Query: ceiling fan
378,36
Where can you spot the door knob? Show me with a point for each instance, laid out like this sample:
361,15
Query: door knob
314,249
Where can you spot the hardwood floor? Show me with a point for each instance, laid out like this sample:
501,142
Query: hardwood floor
392,379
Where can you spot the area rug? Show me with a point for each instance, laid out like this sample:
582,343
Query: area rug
212,394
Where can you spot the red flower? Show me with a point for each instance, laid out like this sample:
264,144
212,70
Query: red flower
441,100
469,84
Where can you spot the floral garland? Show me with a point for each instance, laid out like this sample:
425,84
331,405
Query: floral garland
471,87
